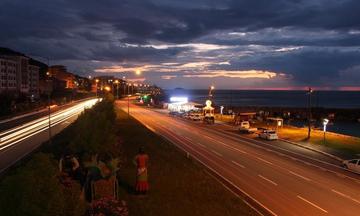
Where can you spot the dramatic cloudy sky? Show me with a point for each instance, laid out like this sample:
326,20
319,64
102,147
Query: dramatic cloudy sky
242,44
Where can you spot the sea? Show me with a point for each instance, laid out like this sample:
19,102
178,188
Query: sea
267,98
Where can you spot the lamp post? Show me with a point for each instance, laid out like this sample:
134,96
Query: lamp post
124,84
48,74
48,80
325,122
117,89
279,123
212,87
97,81
310,91
128,106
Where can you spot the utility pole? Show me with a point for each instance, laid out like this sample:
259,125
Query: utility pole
128,106
310,91
117,89
49,81
49,103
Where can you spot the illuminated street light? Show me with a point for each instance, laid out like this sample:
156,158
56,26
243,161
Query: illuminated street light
212,87
49,102
107,88
310,92
325,122
138,72
97,81
117,88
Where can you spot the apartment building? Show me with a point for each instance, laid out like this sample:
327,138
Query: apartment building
8,75
18,76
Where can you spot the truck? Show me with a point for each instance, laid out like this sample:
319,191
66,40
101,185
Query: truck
244,127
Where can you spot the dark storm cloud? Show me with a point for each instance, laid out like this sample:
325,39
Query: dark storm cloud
129,30
141,54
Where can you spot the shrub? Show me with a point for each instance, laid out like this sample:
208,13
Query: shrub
94,130
35,190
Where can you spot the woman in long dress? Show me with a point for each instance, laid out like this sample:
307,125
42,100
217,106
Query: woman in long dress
141,160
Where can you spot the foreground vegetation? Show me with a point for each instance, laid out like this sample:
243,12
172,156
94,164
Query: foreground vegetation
178,185
33,186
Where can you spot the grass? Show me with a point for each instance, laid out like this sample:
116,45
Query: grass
344,143
178,185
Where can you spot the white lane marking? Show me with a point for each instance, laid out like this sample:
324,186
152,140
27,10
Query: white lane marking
307,163
346,196
237,195
341,175
209,137
300,176
217,153
201,145
257,211
292,158
188,139
263,160
316,206
272,182
237,164
323,169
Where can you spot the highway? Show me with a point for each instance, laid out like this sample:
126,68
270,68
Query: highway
17,142
272,179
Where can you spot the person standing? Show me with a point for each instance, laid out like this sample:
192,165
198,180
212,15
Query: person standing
141,160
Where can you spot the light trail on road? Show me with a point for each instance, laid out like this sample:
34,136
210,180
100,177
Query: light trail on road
15,135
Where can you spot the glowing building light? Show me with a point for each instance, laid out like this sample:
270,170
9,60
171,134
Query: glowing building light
179,99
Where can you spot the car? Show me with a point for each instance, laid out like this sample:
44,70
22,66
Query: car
353,165
244,127
195,117
185,115
268,135
172,113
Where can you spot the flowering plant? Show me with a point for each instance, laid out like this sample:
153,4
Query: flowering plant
108,206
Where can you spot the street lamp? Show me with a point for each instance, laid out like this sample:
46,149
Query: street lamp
310,91
117,89
97,81
107,88
128,106
325,122
48,74
212,87
138,72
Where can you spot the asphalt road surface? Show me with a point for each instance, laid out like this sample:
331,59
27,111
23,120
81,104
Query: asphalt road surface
19,141
274,179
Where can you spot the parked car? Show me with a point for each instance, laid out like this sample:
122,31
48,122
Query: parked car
244,127
195,117
268,135
353,165
172,113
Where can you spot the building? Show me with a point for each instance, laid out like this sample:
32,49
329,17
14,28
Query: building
18,76
7,75
33,72
60,72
